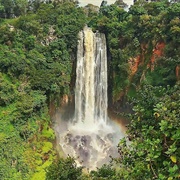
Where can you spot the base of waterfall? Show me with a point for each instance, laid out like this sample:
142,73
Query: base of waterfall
91,145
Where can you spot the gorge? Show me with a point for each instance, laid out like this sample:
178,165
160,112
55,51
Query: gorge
53,117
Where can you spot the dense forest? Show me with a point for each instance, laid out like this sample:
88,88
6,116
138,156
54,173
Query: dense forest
38,45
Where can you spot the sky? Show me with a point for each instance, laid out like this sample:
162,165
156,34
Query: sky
98,2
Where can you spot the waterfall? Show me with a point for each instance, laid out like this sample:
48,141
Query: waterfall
91,78
89,136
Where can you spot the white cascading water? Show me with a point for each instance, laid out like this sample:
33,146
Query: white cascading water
91,79
89,137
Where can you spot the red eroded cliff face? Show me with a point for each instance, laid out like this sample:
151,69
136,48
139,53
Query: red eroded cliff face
178,72
133,64
139,60
157,52
140,64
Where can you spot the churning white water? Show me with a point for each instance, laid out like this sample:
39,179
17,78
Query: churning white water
90,136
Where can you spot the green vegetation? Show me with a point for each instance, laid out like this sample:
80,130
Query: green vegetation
64,169
38,43
154,134
133,37
36,56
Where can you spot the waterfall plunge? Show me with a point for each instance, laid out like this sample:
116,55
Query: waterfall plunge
91,79
89,137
